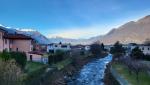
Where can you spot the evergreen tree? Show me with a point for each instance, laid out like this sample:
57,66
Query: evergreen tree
136,53
117,50
95,49
103,47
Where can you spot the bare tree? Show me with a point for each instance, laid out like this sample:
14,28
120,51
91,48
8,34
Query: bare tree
134,66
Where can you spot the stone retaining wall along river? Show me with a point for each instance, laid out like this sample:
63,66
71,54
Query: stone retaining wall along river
92,73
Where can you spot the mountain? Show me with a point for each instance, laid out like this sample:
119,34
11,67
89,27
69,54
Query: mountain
35,35
130,32
68,40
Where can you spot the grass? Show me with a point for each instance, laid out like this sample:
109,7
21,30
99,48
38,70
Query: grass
33,66
60,65
144,78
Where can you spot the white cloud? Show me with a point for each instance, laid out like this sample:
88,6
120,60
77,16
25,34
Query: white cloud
5,26
76,33
1,25
26,29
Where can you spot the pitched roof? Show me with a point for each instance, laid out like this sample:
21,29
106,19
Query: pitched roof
17,36
36,52
2,29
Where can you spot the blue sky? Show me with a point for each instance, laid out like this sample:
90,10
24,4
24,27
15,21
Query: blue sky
71,18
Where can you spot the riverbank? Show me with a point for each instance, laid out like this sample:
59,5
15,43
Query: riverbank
109,78
61,77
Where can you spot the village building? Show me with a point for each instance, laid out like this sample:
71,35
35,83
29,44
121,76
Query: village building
144,48
87,47
37,56
18,43
14,42
53,47
108,47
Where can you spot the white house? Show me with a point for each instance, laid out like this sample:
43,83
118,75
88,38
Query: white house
108,47
87,47
53,47
142,47
145,49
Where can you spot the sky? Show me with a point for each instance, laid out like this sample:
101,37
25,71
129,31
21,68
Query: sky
71,18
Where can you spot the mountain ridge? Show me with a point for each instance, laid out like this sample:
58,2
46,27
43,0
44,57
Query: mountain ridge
130,32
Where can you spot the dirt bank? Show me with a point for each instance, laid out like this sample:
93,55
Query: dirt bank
109,79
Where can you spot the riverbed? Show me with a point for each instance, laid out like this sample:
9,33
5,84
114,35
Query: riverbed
92,73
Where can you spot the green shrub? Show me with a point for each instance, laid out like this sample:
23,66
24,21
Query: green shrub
20,58
5,55
58,56
34,78
146,57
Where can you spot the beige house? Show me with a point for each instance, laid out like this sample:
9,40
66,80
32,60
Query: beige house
22,43
15,42
18,42
37,56
4,43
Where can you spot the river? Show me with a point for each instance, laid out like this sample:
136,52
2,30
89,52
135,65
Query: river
92,73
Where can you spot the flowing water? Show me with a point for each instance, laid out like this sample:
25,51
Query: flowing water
92,73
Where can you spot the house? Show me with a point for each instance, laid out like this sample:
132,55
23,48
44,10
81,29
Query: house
144,48
53,47
18,42
78,47
4,43
37,56
13,41
108,47
87,47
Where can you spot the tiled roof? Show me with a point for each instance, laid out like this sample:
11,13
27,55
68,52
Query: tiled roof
36,52
2,29
17,36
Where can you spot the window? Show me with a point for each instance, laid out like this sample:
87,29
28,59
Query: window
64,46
17,49
55,45
5,41
51,51
30,57
10,49
0,36
11,41
143,48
